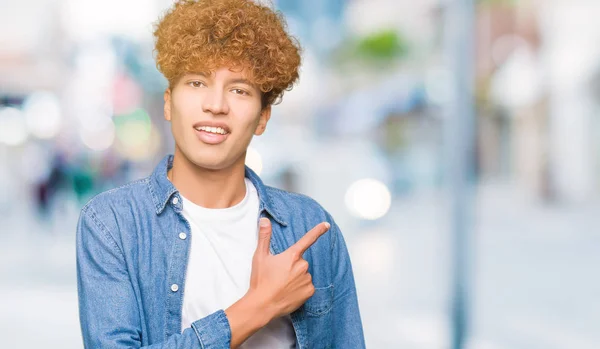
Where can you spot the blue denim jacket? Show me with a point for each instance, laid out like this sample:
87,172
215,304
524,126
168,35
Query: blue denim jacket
132,260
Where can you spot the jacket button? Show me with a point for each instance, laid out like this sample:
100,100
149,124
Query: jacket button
182,236
175,200
174,287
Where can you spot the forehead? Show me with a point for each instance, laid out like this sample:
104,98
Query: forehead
224,72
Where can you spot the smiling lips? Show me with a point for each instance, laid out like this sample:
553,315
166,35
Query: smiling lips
211,134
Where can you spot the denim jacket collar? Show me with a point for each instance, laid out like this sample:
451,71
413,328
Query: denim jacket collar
161,189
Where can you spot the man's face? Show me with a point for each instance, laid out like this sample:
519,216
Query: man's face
213,117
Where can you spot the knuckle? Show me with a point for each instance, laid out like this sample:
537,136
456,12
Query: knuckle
296,254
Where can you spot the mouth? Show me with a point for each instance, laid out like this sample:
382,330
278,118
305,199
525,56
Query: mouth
211,135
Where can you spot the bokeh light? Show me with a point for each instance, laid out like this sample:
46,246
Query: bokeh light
368,199
133,129
137,138
98,139
43,115
13,130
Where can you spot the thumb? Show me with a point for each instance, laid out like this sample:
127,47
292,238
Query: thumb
264,236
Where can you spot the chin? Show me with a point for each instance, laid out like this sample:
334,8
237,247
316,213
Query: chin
210,162
209,159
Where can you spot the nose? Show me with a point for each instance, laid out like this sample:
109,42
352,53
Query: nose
215,102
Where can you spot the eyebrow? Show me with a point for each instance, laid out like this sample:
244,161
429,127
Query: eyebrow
230,81
240,81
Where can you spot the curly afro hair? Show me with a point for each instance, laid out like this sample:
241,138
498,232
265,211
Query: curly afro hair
203,35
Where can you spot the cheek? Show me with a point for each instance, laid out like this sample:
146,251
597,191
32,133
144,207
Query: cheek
181,119
248,114
249,127
186,105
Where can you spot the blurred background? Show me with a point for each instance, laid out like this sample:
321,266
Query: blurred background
367,132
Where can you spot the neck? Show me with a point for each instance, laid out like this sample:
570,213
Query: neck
206,187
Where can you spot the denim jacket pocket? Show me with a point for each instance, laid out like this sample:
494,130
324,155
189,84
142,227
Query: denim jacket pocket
321,302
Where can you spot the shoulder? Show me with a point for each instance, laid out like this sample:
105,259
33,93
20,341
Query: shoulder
287,203
120,209
117,197
302,213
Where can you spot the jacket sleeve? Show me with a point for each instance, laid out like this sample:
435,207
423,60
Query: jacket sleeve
347,324
108,310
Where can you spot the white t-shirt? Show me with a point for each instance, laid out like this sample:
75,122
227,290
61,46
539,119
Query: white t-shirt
223,242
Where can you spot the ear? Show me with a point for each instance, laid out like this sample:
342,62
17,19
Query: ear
265,115
167,107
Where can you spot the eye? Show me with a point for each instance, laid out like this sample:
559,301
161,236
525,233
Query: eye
196,83
240,92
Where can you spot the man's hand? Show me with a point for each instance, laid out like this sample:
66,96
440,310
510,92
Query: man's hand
279,284
282,280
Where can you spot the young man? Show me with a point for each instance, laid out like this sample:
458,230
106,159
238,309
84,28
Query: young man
202,254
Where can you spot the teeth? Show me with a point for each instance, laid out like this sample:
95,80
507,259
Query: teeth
211,129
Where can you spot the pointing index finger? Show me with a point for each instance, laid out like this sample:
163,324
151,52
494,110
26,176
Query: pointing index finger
310,238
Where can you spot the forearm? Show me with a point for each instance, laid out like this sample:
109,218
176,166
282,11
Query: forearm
188,339
210,332
246,317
